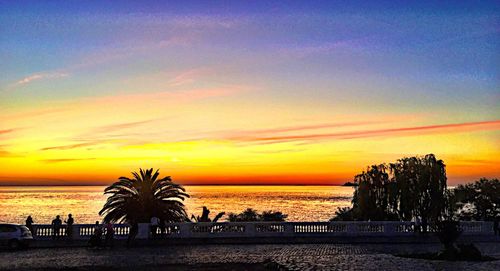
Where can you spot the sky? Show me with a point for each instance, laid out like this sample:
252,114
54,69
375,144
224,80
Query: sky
246,92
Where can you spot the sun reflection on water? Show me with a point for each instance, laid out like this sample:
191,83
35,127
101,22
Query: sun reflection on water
301,203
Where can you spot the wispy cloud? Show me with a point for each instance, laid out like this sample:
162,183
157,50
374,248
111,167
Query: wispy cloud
34,113
117,53
248,136
417,130
288,129
100,57
71,146
171,96
120,126
188,76
279,151
40,76
475,162
62,160
4,153
6,131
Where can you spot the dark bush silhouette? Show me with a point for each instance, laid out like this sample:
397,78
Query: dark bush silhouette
477,201
469,252
251,215
343,214
273,216
205,216
448,232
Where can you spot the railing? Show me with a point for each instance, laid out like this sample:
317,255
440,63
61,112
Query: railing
261,229
80,231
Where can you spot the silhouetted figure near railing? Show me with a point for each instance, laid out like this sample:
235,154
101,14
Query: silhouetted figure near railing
496,226
155,222
134,230
110,235
29,225
69,226
418,225
96,238
162,227
56,227
425,225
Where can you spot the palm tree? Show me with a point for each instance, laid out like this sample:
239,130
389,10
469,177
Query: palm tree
137,200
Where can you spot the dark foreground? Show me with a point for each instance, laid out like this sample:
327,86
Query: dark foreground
242,257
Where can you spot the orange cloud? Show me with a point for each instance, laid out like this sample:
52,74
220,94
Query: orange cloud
6,131
174,96
65,160
443,128
71,146
309,127
120,126
34,113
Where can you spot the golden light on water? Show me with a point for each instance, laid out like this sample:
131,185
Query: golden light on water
301,203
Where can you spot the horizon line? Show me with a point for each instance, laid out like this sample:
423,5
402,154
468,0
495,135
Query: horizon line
190,184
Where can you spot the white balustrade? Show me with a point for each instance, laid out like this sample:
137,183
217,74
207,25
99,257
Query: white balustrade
262,229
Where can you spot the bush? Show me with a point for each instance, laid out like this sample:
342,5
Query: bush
251,215
343,214
469,252
448,233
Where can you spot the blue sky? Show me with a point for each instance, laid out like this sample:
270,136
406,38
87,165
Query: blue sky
427,63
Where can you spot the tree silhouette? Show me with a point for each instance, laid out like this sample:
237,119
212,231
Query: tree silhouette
251,215
137,200
421,188
410,188
372,199
205,216
477,201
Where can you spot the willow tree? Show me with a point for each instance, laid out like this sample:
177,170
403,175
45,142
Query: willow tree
138,199
408,189
373,197
421,188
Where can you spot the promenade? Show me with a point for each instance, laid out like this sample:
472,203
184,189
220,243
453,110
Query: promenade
242,257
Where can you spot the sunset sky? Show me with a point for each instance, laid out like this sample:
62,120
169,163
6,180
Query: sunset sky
257,92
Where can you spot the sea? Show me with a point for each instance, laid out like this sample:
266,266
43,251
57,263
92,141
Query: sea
300,203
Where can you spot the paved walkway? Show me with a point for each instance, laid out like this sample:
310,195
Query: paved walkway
241,257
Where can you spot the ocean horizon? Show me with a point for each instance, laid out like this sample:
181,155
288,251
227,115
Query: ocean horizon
299,202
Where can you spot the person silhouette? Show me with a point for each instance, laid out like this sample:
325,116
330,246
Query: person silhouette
155,223
162,227
56,227
96,238
496,227
69,226
29,225
110,233
134,230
